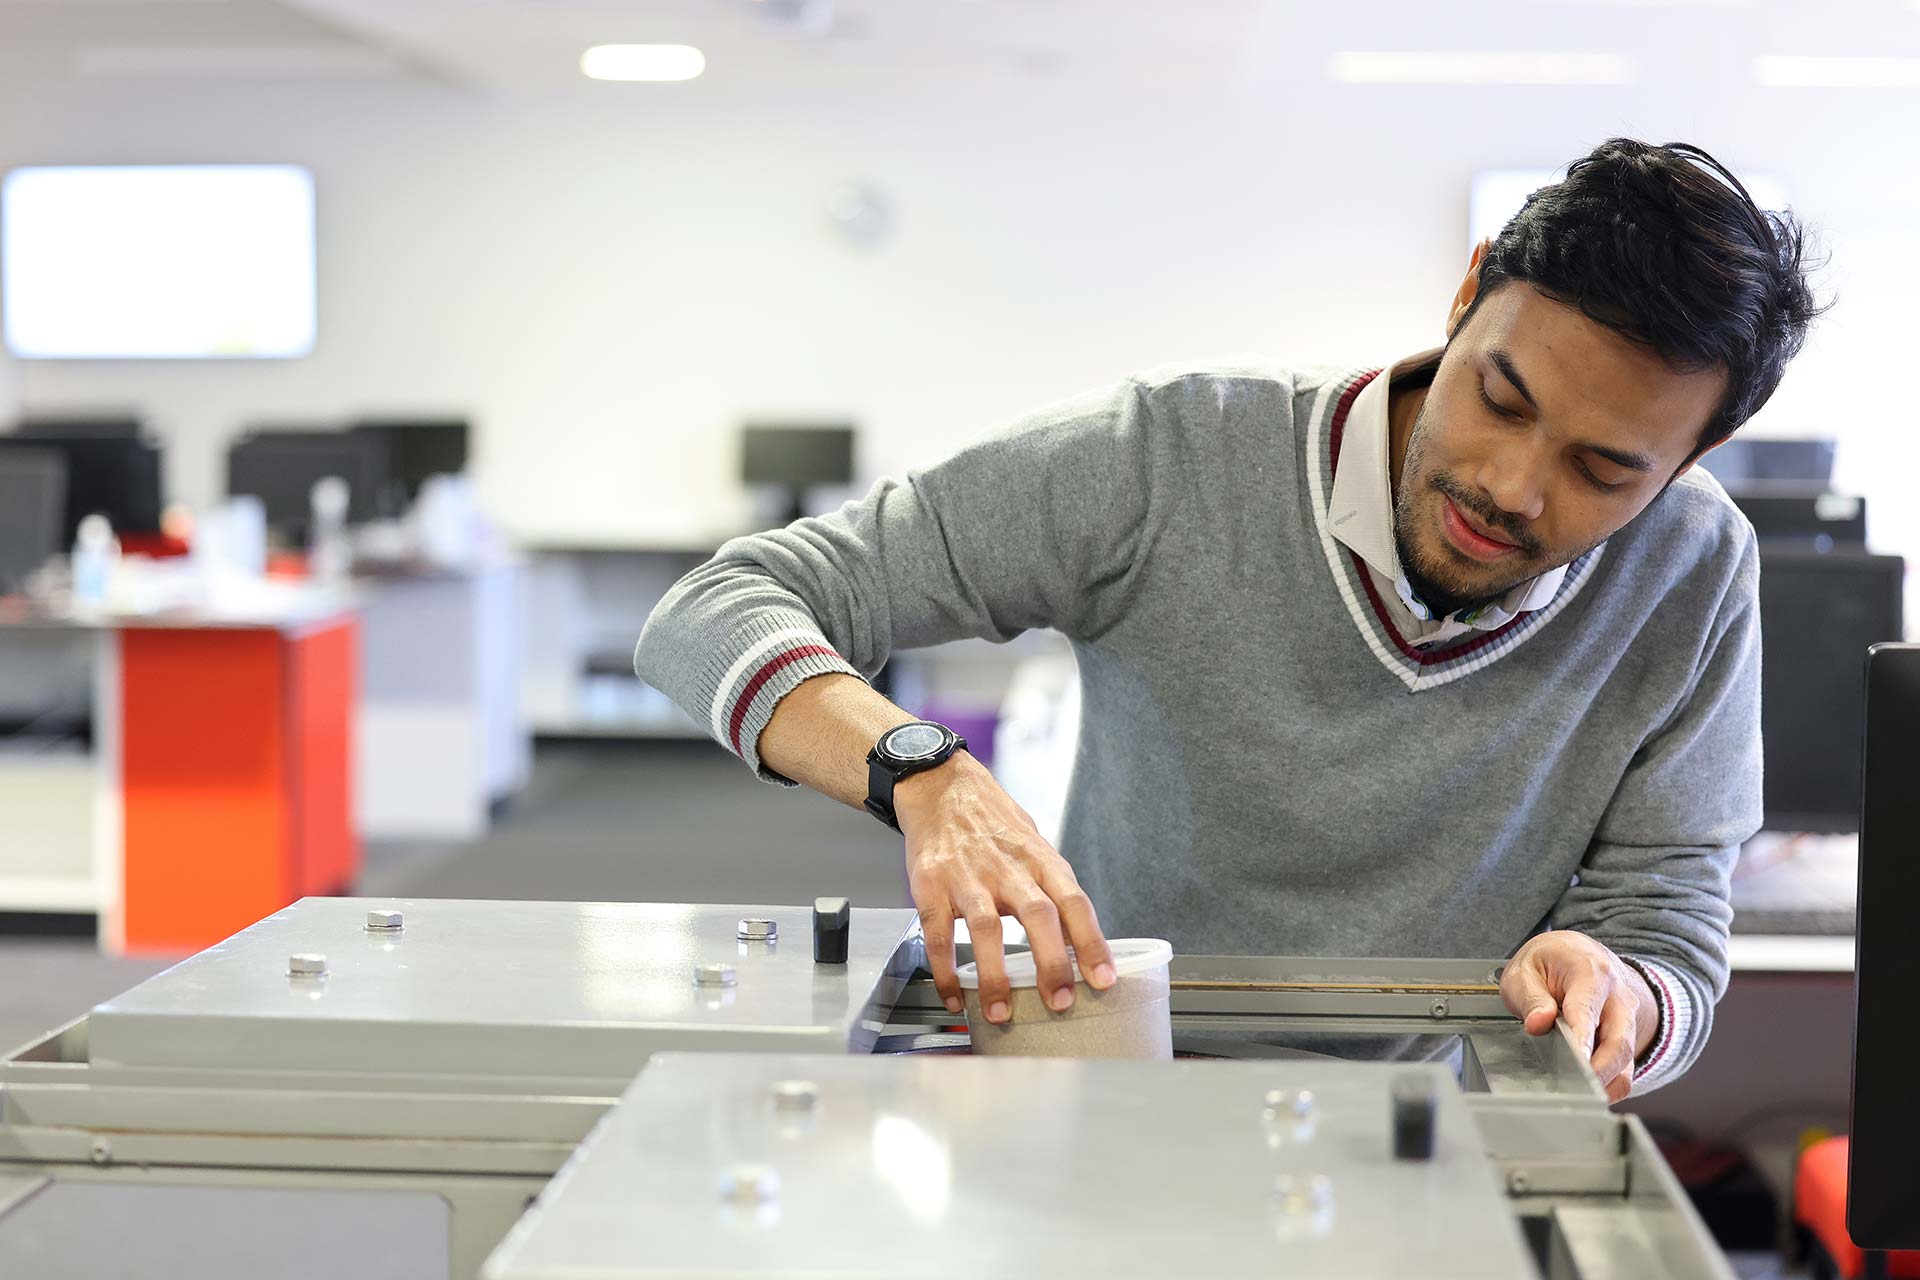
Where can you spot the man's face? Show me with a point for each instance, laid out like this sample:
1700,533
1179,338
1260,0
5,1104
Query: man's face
1542,435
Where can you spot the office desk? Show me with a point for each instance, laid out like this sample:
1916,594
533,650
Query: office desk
219,783
1800,953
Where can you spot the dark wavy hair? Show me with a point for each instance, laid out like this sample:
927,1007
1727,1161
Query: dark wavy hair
1664,245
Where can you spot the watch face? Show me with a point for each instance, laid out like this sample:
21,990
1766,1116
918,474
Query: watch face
915,742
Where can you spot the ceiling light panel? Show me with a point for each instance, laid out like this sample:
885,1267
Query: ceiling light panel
643,62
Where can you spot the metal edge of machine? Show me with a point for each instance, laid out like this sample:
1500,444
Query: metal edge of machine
1587,1185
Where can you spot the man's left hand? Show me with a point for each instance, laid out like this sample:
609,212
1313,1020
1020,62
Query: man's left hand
1606,1003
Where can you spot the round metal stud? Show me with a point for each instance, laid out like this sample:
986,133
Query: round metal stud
748,1186
1289,1104
1302,1193
796,1096
714,975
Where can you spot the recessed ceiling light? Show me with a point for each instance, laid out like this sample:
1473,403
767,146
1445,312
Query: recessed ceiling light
1480,68
1797,72
643,62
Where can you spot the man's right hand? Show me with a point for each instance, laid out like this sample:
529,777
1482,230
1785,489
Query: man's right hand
974,855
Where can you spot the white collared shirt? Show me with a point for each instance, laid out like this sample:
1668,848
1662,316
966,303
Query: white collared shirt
1360,514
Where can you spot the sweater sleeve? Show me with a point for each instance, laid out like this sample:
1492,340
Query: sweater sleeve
1047,525
1654,885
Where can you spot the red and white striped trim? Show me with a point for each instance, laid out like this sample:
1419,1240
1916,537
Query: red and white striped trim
787,637
1676,1019
751,690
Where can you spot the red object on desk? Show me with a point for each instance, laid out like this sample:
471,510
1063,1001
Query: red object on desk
155,546
236,767
1820,1205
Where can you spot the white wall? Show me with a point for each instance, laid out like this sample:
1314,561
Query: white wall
610,286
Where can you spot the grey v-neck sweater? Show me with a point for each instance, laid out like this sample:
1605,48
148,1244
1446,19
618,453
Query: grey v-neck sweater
1264,765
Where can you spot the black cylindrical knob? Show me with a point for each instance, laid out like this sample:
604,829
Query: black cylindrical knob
1415,1105
831,927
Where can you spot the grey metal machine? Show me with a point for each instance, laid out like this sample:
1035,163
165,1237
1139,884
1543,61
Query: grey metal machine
384,1088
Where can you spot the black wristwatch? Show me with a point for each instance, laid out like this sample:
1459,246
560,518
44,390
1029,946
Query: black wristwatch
902,752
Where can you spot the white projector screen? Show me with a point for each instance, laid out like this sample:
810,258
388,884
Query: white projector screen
158,262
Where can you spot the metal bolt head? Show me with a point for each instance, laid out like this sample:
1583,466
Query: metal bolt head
384,920
1303,1192
796,1096
1289,1104
754,929
714,975
1439,1009
101,1152
307,964
747,1186
1519,1183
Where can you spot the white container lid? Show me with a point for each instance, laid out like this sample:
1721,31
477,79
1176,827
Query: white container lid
1130,956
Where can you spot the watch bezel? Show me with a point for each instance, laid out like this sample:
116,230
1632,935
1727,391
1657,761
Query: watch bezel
943,742
885,769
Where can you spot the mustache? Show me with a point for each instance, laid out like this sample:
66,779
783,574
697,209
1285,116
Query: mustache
1508,524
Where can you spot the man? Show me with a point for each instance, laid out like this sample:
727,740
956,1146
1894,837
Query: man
1453,658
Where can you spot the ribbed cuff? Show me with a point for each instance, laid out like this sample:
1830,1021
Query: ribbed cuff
1661,1062
763,662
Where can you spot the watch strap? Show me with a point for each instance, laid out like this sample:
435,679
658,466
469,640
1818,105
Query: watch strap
884,774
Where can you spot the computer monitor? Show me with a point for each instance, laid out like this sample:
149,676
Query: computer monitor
122,426
33,496
417,450
1742,462
1812,515
1819,613
281,466
1883,1155
796,457
115,476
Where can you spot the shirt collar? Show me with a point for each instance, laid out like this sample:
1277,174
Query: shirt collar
1360,510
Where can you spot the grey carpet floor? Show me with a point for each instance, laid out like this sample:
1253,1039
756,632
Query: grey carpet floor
638,822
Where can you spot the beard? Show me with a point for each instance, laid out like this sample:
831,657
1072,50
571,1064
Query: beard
1437,578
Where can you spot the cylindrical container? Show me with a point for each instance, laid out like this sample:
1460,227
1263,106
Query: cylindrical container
1130,1019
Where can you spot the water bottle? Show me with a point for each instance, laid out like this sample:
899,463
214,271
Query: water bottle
95,553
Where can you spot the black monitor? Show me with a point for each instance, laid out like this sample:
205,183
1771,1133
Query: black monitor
280,467
796,457
1742,462
1818,518
1819,612
115,476
1883,1153
417,450
33,496
122,426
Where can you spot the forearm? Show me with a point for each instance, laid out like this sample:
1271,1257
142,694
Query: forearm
821,732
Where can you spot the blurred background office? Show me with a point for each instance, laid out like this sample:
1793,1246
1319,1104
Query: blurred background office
372,367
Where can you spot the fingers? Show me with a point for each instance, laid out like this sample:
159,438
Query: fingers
1076,913
936,928
1524,987
989,952
1054,973
1613,1049
1581,1008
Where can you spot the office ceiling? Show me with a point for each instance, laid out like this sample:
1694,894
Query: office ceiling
516,48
